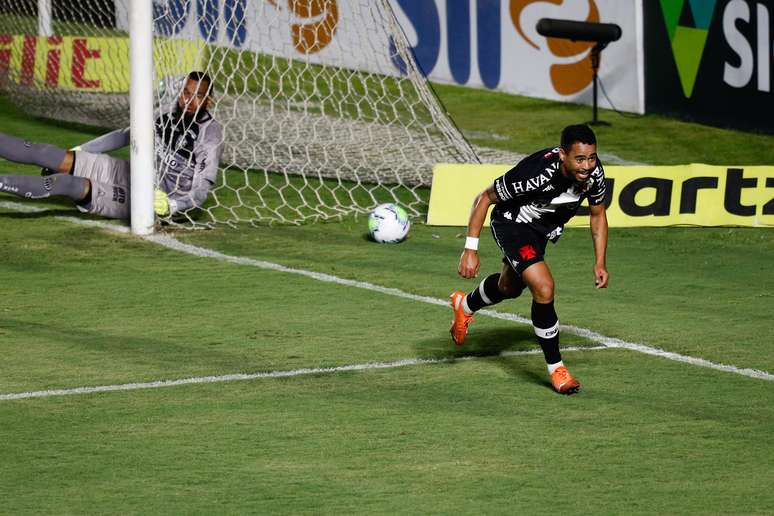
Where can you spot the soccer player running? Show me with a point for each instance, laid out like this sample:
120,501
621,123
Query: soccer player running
533,201
188,145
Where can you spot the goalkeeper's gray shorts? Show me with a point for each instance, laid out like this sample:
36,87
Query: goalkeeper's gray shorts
109,179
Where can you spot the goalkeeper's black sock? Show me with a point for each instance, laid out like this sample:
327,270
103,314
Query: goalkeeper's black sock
21,151
546,325
36,187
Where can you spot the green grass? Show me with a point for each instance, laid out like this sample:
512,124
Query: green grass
86,307
526,124
469,438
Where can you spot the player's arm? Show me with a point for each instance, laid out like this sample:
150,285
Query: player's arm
469,261
599,238
111,141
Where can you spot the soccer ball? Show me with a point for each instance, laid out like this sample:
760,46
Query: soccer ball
388,224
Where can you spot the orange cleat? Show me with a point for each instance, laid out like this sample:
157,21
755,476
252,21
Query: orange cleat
563,381
459,327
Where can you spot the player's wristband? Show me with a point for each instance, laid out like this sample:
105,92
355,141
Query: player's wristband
471,243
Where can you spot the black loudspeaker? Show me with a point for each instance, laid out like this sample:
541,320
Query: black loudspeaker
599,33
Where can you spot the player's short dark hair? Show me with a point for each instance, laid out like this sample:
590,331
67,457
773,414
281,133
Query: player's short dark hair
580,133
199,77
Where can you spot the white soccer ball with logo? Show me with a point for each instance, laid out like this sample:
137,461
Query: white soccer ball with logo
388,224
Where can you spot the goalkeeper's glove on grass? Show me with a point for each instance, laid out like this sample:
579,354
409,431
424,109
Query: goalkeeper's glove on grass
163,205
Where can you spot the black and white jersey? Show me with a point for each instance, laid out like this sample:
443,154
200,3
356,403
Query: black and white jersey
536,193
187,157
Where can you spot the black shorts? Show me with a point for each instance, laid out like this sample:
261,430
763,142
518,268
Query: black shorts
521,245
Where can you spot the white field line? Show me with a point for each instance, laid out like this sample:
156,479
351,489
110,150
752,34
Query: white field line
172,243
268,374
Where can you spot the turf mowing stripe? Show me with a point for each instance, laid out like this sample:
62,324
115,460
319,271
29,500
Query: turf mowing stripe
610,342
238,377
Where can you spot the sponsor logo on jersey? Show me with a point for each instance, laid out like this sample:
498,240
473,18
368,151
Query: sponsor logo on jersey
532,183
555,234
119,195
502,191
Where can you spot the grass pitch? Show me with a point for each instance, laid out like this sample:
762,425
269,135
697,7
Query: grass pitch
480,432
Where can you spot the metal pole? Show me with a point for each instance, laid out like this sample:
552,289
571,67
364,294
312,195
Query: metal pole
143,176
595,66
44,18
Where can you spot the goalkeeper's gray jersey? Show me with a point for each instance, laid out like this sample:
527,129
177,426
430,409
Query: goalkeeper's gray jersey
187,155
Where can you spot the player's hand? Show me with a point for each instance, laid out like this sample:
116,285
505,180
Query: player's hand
469,263
601,276
161,204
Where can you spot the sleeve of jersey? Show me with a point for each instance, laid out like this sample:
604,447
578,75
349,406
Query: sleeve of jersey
113,140
208,152
599,188
503,192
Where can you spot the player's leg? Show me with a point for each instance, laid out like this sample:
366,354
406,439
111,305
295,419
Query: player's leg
492,290
40,154
36,187
545,322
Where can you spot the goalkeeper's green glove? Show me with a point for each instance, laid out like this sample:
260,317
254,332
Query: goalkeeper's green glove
161,204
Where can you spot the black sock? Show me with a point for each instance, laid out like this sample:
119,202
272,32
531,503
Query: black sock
486,294
36,187
546,325
21,151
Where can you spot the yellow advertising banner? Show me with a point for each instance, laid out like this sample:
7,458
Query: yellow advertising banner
89,64
684,195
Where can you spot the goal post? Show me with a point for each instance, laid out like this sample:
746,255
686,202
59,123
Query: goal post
324,110
142,157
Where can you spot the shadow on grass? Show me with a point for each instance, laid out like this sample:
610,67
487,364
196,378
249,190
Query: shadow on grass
140,351
492,343
53,211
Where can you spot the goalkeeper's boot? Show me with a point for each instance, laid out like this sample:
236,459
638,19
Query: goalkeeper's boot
563,381
459,327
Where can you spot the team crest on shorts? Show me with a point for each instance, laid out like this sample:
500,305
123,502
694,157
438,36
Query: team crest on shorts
527,252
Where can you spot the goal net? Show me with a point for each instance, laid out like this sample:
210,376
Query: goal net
324,109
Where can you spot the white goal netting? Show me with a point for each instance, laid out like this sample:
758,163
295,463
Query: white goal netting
324,109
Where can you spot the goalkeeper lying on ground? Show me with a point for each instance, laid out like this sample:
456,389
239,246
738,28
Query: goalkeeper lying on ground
188,144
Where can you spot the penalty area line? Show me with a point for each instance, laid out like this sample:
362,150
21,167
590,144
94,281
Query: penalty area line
172,243
238,377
